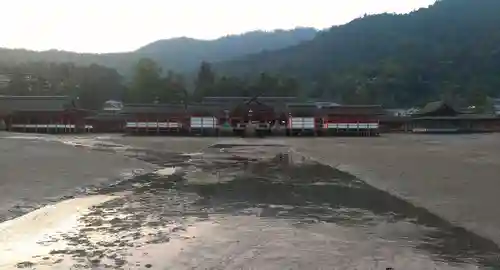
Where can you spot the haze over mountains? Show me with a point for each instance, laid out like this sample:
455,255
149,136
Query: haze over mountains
179,54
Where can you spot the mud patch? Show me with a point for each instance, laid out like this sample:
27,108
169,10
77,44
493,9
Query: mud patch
313,193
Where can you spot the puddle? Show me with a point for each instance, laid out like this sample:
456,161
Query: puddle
165,171
294,203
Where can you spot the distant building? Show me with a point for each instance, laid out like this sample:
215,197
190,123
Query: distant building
496,106
154,118
42,114
112,105
442,117
108,119
397,112
4,80
401,112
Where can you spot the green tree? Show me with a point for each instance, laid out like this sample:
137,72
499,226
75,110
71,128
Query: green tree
230,86
174,90
205,81
147,84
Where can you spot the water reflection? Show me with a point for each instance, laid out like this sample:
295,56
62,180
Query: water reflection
317,193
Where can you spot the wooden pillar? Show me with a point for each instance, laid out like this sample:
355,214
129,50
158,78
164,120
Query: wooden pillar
169,125
136,125
357,127
25,124
157,125
190,129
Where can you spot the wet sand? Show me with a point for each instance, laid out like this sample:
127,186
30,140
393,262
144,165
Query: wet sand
208,203
38,170
456,177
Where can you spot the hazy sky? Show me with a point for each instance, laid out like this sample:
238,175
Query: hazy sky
124,25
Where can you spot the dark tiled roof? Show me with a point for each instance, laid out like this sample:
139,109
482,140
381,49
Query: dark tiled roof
432,107
461,117
237,100
106,116
353,110
238,104
263,98
257,106
205,109
302,109
12,104
154,108
394,119
217,100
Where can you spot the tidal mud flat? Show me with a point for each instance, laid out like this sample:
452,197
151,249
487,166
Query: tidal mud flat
41,169
240,204
454,176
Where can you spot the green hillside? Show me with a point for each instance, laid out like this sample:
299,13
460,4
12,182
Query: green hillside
449,50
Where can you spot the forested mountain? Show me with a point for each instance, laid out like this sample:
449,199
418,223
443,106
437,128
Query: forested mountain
178,54
449,50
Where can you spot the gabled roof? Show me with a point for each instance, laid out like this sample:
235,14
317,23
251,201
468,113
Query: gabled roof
233,101
12,104
254,105
432,106
353,110
154,108
435,108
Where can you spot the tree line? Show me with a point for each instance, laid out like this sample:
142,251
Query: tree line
387,83
93,85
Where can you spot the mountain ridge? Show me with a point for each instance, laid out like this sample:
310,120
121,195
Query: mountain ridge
180,54
443,51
